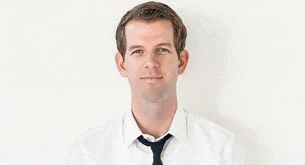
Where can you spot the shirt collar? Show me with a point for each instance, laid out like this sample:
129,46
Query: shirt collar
178,127
131,131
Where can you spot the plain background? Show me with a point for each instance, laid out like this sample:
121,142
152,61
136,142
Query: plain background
58,76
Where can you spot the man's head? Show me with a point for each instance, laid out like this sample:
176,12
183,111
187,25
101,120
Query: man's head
150,12
151,36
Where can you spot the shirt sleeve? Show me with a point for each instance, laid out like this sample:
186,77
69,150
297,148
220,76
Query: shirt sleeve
238,153
78,155
227,151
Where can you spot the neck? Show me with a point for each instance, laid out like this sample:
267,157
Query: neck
154,117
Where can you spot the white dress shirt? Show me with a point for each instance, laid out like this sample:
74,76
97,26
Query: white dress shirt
194,141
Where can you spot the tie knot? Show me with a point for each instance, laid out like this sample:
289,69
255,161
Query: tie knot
156,147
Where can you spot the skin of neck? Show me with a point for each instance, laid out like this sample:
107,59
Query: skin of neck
154,114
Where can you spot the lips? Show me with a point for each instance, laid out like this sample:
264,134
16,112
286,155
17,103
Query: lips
152,77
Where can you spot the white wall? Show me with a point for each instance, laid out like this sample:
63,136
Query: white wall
58,76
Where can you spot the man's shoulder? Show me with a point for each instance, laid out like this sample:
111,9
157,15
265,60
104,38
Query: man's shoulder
200,126
94,143
99,137
105,132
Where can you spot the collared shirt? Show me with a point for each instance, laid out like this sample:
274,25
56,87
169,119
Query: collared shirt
194,141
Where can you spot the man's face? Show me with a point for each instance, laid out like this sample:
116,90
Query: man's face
151,62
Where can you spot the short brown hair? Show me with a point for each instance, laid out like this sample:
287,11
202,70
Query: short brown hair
152,11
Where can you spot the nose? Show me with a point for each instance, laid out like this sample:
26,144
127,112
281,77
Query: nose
151,61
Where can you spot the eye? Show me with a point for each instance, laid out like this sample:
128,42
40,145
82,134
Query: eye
163,51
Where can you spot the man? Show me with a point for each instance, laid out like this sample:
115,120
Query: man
151,40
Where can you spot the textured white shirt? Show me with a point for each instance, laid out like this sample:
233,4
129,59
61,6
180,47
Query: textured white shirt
194,141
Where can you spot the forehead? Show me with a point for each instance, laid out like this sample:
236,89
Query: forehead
149,32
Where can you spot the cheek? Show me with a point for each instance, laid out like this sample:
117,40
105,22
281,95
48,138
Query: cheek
133,70
172,70
174,66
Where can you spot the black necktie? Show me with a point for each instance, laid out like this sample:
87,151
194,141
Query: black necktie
156,147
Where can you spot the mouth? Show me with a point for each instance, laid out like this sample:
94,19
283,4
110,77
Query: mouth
152,77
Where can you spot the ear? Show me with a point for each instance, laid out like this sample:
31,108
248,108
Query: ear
184,57
120,64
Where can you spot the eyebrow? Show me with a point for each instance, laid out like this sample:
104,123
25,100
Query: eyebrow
165,44
139,46
134,47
